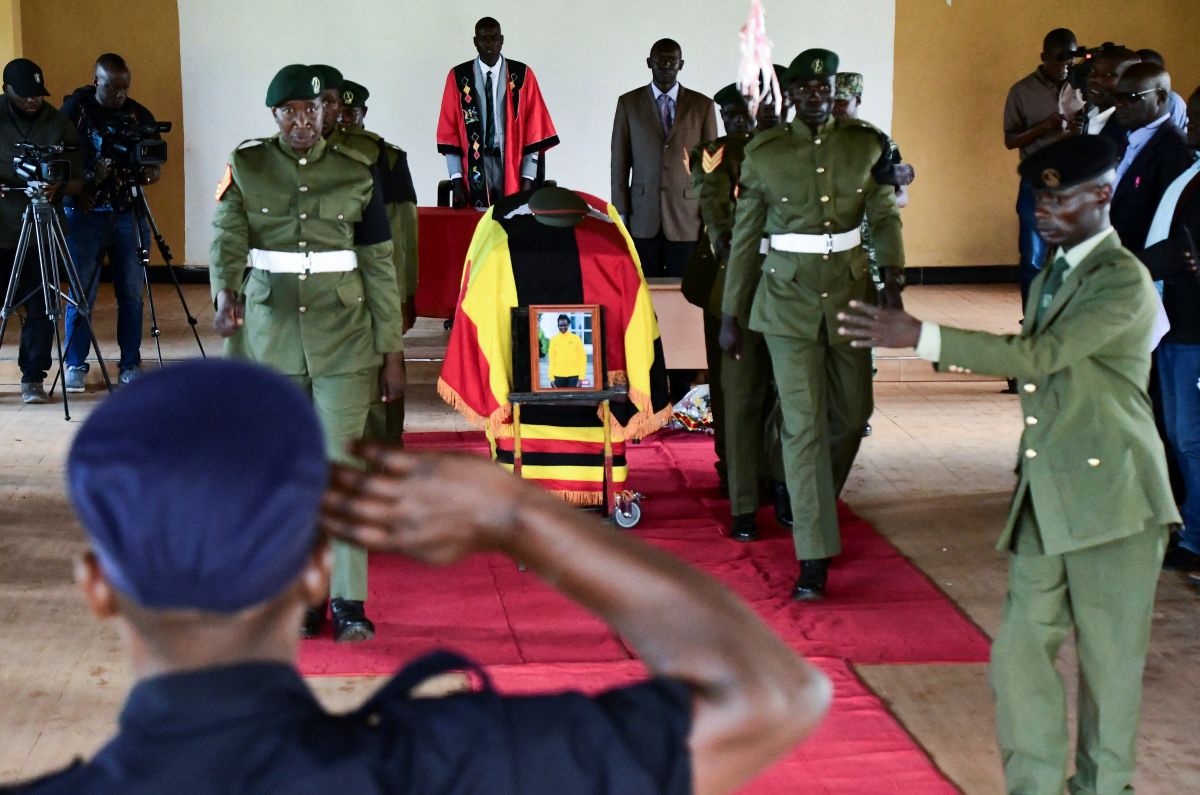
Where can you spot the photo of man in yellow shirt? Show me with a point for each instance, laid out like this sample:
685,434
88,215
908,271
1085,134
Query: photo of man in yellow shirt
568,358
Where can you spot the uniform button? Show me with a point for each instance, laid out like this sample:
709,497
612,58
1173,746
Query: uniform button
821,170
817,141
266,210
303,161
824,198
1031,453
858,190
341,217
829,223
1030,388
824,256
304,189
304,309
783,199
336,147
1093,462
772,270
824,295
374,719
360,300
303,276
303,216
303,244
1031,420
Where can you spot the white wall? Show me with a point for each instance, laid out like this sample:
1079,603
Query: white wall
585,54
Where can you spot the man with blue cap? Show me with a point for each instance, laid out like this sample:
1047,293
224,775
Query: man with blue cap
207,561
1088,524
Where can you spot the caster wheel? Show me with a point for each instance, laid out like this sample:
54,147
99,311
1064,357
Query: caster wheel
628,517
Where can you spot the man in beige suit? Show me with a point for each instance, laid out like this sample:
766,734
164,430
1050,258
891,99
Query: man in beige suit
653,130
1088,523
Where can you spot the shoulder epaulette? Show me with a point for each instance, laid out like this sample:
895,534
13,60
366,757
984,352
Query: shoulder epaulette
358,148
766,136
251,142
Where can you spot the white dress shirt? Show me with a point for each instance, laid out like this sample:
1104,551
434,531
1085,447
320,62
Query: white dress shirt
673,94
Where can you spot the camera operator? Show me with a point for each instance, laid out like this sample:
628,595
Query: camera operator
26,118
100,220
1034,118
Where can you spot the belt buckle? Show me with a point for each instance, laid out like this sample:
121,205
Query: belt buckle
828,243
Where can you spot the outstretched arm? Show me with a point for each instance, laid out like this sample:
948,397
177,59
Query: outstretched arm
754,698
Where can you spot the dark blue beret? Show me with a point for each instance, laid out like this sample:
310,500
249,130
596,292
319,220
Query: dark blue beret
199,485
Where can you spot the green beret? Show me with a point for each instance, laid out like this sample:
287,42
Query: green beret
815,64
354,95
330,77
1069,162
555,206
848,85
296,81
729,95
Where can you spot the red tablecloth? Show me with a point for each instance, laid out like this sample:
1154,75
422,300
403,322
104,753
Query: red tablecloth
444,236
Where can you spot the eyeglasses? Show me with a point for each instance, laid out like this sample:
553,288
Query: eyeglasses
1130,97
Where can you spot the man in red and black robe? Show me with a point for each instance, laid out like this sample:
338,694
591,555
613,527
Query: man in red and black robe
494,124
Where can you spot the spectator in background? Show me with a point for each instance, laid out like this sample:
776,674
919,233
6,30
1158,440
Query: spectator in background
1034,119
1107,68
1177,108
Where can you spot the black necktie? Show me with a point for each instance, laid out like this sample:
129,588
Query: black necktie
489,130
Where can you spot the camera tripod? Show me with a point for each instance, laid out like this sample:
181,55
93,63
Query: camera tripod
131,198
41,229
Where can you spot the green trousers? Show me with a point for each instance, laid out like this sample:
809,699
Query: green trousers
826,400
753,445
716,397
342,403
1106,594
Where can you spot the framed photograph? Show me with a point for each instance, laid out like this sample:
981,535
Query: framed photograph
566,348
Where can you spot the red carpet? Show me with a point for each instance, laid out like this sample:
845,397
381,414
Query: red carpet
879,609
858,750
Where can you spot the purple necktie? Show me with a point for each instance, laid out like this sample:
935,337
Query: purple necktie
664,108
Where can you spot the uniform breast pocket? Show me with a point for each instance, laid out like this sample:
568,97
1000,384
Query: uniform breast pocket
778,269
268,205
340,210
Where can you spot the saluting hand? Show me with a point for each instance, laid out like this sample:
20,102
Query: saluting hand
871,327
434,508
231,314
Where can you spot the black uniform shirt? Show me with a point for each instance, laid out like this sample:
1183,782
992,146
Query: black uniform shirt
256,728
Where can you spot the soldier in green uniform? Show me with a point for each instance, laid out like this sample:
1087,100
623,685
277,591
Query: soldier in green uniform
386,420
740,389
808,185
1088,524
320,302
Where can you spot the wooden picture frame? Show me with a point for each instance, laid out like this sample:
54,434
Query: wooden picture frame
581,360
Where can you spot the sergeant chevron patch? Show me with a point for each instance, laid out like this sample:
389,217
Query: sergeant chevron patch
712,160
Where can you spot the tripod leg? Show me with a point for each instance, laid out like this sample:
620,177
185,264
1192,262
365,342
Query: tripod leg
142,204
51,289
14,277
82,305
143,254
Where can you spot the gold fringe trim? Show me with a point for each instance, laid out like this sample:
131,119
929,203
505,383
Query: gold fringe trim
494,424
579,498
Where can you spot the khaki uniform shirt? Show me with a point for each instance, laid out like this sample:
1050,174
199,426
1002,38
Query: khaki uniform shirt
795,181
315,324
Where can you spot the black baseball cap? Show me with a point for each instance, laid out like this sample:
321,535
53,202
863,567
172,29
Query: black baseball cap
25,77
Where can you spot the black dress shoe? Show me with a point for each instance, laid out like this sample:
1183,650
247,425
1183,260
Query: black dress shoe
1010,387
744,528
810,585
783,503
350,623
314,621
1179,558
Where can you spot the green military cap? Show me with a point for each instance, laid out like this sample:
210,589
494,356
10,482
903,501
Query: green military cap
729,95
296,81
815,64
1069,162
555,206
848,85
354,95
330,77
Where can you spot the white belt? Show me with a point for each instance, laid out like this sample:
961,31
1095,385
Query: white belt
817,244
302,262
764,246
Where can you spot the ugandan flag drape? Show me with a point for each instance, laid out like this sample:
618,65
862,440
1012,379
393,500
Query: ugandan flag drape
515,261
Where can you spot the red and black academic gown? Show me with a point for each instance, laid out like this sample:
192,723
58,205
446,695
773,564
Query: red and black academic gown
528,127
515,261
